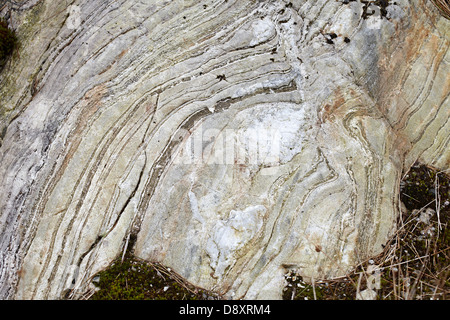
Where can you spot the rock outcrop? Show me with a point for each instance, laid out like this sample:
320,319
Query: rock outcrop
233,140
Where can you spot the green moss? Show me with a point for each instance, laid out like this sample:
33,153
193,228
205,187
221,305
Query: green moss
419,188
8,42
298,289
133,279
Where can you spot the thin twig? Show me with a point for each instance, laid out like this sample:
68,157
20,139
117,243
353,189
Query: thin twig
125,248
422,269
438,202
410,197
293,293
314,288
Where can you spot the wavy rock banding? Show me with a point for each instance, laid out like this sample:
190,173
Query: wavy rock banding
234,140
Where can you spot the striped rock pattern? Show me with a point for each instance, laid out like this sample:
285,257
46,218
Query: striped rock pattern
231,140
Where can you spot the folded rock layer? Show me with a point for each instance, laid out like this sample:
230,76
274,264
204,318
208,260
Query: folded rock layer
233,140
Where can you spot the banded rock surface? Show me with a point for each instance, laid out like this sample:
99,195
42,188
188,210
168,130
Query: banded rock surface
235,140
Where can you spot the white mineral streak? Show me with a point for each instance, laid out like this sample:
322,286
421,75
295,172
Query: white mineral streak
230,138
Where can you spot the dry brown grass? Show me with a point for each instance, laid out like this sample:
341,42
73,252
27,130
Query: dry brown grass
443,6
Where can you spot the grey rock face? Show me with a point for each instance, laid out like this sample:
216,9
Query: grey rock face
236,140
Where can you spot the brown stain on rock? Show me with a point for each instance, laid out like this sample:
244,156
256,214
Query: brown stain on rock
330,109
421,42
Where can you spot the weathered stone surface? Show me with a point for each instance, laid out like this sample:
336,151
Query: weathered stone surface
236,140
